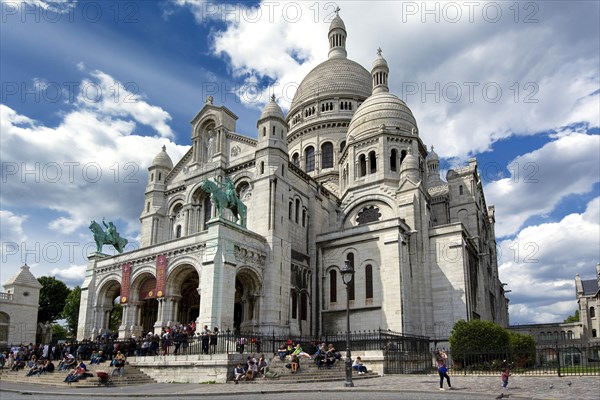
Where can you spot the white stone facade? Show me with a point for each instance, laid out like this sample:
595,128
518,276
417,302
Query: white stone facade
344,176
19,309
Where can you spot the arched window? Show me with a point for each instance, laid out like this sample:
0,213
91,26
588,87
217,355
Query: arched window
393,160
296,159
4,328
148,207
264,131
372,163
369,281
309,157
570,335
262,167
402,156
332,286
362,165
460,190
178,231
592,312
151,177
159,176
594,333
294,305
342,145
303,306
291,206
297,210
274,131
303,217
327,155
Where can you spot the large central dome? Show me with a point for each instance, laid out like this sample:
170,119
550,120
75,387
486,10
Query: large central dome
336,77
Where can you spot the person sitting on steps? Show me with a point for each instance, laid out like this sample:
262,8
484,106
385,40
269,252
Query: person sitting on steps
358,366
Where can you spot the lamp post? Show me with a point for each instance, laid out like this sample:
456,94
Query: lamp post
347,275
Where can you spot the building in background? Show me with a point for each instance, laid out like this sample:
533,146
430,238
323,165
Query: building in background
19,305
344,176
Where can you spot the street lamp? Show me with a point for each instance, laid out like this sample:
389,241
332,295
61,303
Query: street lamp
347,275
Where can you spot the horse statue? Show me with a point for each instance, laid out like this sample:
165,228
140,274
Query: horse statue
111,236
226,199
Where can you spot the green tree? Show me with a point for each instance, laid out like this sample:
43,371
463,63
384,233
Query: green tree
478,342
572,318
53,296
115,317
522,349
59,332
70,312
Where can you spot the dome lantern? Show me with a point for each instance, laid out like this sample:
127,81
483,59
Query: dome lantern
380,72
337,37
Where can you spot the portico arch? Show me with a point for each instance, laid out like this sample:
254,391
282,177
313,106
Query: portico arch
144,297
108,296
247,298
182,286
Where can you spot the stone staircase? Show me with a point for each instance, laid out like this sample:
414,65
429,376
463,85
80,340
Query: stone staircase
309,372
133,376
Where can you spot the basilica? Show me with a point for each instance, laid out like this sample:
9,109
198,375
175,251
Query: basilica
343,178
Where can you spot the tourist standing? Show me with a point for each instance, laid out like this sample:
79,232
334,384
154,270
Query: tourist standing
443,369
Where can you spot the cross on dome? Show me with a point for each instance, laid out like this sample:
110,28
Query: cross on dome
337,10
379,51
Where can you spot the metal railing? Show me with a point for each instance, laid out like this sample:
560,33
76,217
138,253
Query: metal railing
559,359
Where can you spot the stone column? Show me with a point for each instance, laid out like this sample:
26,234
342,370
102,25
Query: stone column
124,328
159,317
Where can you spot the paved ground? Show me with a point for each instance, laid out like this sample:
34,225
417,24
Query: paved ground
398,386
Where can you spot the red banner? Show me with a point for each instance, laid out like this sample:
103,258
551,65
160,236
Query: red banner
161,275
125,278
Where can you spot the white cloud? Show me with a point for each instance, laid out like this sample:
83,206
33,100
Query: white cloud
74,274
93,164
11,228
542,178
541,262
111,97
545,74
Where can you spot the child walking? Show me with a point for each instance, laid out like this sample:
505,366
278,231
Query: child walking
505,375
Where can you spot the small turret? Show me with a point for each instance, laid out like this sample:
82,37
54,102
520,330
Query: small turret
433,169
380,72
409,168
160,167
337,37
272,128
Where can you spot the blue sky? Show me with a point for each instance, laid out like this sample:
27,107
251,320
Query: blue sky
92,90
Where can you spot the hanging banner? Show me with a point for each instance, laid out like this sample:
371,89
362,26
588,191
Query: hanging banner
161,275
125,278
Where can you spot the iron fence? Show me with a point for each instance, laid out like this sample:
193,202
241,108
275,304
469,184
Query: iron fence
561,359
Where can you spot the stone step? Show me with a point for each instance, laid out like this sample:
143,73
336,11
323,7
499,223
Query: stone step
133,376
310,372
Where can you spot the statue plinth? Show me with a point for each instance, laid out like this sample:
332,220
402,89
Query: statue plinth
97,255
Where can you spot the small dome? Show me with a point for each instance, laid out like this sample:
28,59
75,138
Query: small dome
432,156
337,22
381,109
410,163
163,160
380,62
272,110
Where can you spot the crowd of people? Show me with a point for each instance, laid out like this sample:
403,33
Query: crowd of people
37,360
